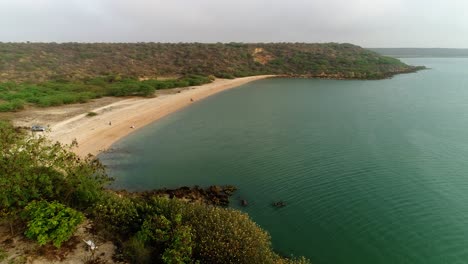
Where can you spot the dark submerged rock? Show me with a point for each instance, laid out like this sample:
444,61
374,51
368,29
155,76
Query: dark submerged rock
278,204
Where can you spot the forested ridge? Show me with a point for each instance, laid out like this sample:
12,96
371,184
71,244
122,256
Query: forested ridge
51,74
38,62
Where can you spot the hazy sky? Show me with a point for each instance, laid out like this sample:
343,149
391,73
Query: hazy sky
369,23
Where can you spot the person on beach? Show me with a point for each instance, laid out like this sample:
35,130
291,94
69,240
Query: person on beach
191,99
110,123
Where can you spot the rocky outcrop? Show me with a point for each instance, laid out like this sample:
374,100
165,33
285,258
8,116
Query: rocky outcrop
213,195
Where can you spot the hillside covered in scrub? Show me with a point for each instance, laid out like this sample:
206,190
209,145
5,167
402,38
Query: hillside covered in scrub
39,62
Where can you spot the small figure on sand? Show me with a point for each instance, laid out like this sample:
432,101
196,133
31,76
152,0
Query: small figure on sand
191,99
110,123
132,126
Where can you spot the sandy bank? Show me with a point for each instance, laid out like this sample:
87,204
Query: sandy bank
95,134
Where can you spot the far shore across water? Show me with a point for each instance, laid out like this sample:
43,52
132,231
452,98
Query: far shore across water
117,120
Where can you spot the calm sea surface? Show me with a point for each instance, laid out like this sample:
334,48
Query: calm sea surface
371,171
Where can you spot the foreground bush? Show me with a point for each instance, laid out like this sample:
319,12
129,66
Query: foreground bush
118,216
228,236
135,250
165,240
51,222
176,229
13,105
33,168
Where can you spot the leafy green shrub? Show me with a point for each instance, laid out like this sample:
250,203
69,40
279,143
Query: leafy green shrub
225,75
227,236
173,238
136,251
60,91
3,254
171,231
14,105
91,114
51,222
130,87
219,235
6,107
33,168
17,104
119,215
182,83
194,80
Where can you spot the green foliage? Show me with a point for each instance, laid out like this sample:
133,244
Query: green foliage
119,215
228,236
37,62
169,235
3,254
179,249
13,105
129,87
13,97
190,80
136,251
155,229
148,233
175,230
225,75
34,168
51,222
63,74
91,114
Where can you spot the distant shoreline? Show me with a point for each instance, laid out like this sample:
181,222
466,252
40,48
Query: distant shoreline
422,52
117,120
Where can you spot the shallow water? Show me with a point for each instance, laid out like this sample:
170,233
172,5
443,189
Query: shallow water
371,171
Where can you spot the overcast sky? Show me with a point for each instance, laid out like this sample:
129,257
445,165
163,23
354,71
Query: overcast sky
369,23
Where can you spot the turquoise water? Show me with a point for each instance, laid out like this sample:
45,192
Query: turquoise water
371,171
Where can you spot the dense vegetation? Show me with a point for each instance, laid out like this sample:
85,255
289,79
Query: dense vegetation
39,62
47,190
50,74
50,222
15,96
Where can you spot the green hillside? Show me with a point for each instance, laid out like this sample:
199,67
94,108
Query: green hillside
45,61
50,74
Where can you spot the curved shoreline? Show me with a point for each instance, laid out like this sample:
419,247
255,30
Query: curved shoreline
115,121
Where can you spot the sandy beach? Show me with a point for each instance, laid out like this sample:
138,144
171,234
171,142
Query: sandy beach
119,119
